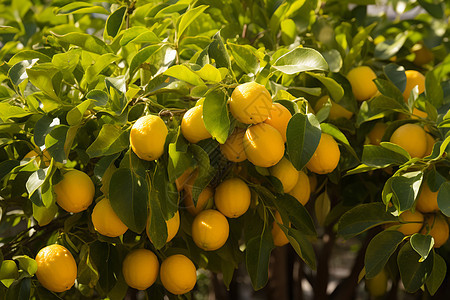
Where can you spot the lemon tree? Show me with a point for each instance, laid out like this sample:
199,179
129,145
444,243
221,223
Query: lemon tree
175,149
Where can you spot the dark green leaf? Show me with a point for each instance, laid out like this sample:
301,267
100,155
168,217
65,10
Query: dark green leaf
245,58
335,90
406,188
381,157
433,90
422,244
437,275
302,246
413,273
396,74
443,198
85,41
115,21
55,142
218,52
7,166
111,139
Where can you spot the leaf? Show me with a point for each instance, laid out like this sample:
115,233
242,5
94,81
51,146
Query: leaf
215,115
142,56
301,60
413,273
245,58
303,136
100,97
380,249
218,52
390,47
396,74
7,166
111,139
338,135
8,272
188,17
209,73
443,198
322,207
43,127
406,188
435,9
17,74
46,79
128,194
363,217
81,8
437,275
433,90
182,72
302,246
422,244
335,90
75,115
27,264
139,35
114,22
85,41
104,61
35,181
389,90
55,142
19,289
8,111
381,157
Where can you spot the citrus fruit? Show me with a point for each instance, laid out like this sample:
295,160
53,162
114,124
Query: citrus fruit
182,180
361,79
326,157
56,268
232,197
437,227
377,132
105,220
430,145
210,230
140,268
192,125
233,148
302,189
38,154
75,192
203,201
278,235
336,111
423,55
427,200
410,222
412,138
377,286
312,182
279,118
286,173
250,103
413,78
148,136
263,145
173,224
178,274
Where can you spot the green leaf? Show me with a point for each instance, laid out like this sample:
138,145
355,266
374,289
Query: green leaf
302,246
115,21
8,272
322,207
55,142
19,289
87,271
209,73
8,111
380,249
188,17
104,61
75,115
43,127
215,115
81,8
44,215
100,97
218,52
84,41
437,275
363,217
433,90
166,192
389,90
128,194
111,139
303,136
390,47
422,244
17,74
179,158
35,181
257,256
29,55
8,29
245,58
413,273
338,135
142,56
406,188
182,72
46,78
27,264
7,166
301,60
381,157
335,90
139,35
396,74
443,198
434,9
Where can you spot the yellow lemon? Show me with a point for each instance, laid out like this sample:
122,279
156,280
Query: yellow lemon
37,152
192,125
250,103
148,136
106,221
75,192
182,180
312,182
279,118
178,274
286,173
263,145
437,227
233,148
140,269
377,285
326,157
377,132
210,230
413,78
56,268
278,235
427,200
173,224
361,79
336,111
203,201
411,222
302,189
232,197
423,55
430,145
412,138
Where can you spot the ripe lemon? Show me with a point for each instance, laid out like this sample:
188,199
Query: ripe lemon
147,137
427,200
56,268
377,132
263,145
326,157
312,182
203,201
140,269
411,222
173,224
232,197
192,125
286,173
75,192
210,230
302,189
279,118
423,55
233,149
106,221
278,235
377,286
412,138
37,152
336,111
413,78
178,274
438,229
430,145
250,103
361,79
182,180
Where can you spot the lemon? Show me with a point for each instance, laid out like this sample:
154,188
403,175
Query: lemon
411,222
263,145
326,157
140,269
250,103
105,220
412,138
361,79
203,201
178,274
279,118
377,132
233,148
302,189
181,181
427,200
232,197
286,173
173,224
278,235
56,268
430,145
75,192
312,182
377,286
413,78
148,136
336,111
38,154
437,227
423,55
192,125
210,230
